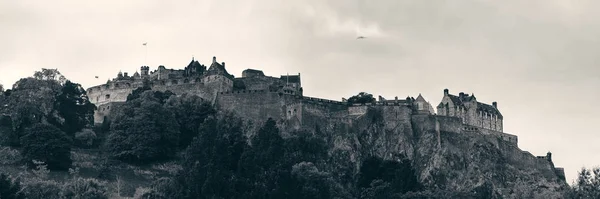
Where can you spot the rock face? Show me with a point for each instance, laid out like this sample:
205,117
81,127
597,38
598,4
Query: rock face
445,157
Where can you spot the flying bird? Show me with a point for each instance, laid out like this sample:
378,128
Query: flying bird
361,37
145,43
96,77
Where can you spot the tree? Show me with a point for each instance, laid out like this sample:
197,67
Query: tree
46,143
50,74
211,161
143,130
190,112
47,98
361,98
74,108
587,184
384,178
9,188
32,101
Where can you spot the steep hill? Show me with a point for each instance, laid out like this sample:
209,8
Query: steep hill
445,157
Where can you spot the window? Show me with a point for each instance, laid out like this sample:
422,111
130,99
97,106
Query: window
107,96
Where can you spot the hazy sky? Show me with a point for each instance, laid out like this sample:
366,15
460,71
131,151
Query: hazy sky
536,58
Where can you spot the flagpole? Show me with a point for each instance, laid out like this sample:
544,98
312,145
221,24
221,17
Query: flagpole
146,55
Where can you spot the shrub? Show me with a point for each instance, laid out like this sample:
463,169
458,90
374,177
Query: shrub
42,189
9,155
10,188
46,143
81,188
85,138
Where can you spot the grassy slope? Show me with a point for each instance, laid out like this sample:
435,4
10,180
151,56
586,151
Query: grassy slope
90,164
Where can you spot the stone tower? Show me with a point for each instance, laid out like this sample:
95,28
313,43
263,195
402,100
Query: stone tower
145,71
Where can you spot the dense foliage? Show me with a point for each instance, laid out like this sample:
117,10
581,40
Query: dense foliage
190,112
46,143
587,184
143,130
9,188
361,98
47,97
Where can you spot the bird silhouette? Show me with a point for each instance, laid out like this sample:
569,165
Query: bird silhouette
361,37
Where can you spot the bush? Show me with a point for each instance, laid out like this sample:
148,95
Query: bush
85,138
9,155
46,143
10,188
361,98
42,189
84,189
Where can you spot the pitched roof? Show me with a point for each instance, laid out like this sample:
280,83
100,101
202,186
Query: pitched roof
194,63
420,98
218,69
488,108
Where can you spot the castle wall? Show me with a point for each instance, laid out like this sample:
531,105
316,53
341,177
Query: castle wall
197,89
449,124
103,111
110,93
255,104
357,110
218,83
258,82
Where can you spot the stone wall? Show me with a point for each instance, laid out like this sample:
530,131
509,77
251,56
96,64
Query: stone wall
104,110
258,82
256,105
357,110
109,93
449,124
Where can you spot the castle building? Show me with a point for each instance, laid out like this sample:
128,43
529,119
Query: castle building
195,79
422,106
471,111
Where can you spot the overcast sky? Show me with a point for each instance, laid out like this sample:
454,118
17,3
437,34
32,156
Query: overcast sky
536,58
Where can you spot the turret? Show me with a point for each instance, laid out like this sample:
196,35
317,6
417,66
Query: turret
145,70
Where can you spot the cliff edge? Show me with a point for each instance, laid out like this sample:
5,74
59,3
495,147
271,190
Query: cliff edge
445,156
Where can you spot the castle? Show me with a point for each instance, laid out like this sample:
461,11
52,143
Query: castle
255,96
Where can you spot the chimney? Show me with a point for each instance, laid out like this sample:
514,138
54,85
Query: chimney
214,59
445,92
223,64
461,94
495,104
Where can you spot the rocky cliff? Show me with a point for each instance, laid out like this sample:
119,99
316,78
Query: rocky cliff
444,157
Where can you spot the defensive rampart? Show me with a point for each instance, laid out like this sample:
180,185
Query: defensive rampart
255,104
